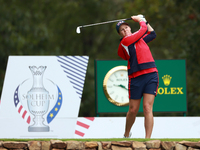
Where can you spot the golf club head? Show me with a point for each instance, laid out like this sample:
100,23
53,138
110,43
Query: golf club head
78,30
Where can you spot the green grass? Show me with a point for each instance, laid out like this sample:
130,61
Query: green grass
110,139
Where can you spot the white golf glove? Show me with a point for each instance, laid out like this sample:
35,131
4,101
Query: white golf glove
142,17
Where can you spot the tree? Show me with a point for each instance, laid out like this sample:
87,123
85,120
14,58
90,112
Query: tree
44,27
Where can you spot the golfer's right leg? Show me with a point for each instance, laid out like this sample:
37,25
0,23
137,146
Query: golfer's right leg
134,105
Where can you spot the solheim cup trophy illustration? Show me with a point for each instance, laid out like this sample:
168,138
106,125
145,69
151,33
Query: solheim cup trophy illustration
38,100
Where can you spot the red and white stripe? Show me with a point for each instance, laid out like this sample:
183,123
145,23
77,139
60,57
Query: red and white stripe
23,113
82,125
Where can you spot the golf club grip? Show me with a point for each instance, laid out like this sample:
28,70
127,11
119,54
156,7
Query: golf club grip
128,18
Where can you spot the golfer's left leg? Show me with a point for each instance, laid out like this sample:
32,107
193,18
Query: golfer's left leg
148,100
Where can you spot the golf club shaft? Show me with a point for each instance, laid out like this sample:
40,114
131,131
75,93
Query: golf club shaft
105,22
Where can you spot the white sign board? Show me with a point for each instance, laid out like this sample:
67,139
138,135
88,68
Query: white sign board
41,96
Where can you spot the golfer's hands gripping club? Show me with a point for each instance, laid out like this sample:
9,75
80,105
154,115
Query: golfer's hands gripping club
138,18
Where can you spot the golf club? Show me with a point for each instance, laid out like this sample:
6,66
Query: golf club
78,29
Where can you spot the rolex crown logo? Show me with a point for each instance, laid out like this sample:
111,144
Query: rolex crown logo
166,79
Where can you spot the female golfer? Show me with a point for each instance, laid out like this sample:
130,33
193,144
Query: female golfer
142,71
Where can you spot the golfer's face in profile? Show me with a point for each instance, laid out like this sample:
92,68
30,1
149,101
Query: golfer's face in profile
124,30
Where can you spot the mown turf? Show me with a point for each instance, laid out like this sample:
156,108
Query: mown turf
109,139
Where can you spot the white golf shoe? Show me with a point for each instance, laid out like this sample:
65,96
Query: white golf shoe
128,136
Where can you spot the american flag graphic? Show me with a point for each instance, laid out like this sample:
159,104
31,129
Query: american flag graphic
82,125
75,68
52,114
24,113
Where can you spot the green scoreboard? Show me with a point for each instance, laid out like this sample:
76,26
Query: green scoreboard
171,94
